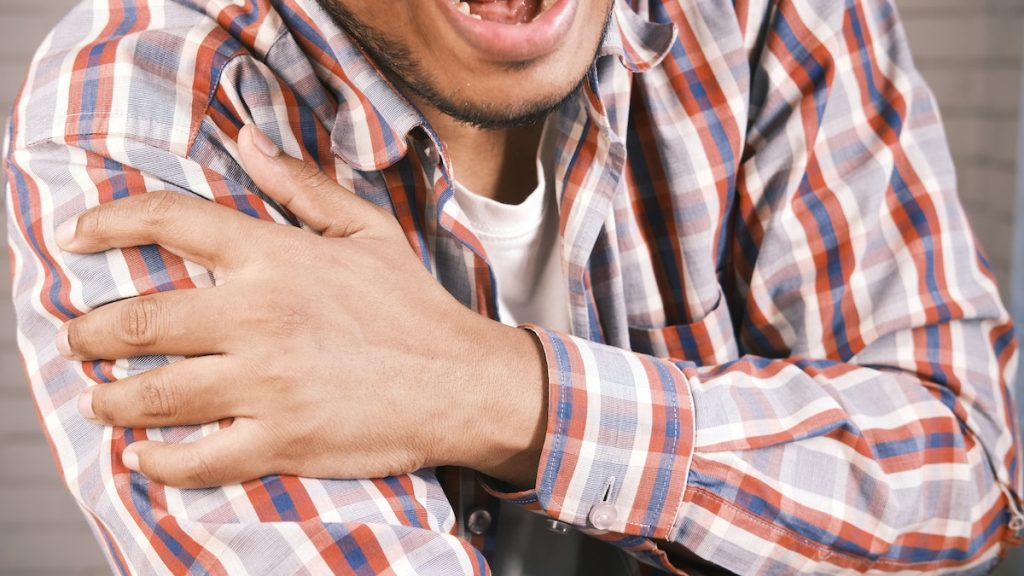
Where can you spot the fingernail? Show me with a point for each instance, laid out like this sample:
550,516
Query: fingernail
263,142
63,343
85,405
66,232
130,459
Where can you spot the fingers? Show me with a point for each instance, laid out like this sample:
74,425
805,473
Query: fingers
180,322
197,230
228,456
192,391
304,189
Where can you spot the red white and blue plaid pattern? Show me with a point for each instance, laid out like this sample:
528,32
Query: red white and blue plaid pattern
787,351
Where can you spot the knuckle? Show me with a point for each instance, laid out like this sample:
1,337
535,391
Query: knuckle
77,339
90,223
138,322
101,404
158,205
196,470
311,176
157,397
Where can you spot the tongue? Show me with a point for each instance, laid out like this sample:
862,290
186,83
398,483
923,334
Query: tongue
506,11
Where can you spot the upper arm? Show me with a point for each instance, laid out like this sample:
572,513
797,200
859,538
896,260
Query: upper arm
151,528
88,132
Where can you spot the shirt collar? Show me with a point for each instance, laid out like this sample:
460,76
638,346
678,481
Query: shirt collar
374,120
639,43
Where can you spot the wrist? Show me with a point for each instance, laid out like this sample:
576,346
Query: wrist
504,405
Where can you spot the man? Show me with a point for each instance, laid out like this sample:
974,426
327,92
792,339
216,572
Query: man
688,277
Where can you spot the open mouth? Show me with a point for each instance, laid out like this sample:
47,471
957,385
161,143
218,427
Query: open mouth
512,30
504,11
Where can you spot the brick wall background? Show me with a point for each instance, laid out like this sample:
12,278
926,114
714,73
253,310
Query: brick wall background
970,51
41,528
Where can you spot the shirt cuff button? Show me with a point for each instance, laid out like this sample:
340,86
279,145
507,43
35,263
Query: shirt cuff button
433,156
603,516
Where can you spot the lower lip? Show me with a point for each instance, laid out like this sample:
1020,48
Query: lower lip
511,42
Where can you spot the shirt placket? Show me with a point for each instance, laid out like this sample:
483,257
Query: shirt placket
588,175
588,171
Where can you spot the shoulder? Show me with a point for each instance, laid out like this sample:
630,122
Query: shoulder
138,69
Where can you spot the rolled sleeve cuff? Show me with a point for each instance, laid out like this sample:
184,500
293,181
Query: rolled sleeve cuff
619,439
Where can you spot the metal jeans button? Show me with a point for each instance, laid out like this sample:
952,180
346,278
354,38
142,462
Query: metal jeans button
557,527
479,521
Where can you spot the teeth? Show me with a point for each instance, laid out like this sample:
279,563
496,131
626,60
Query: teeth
463,7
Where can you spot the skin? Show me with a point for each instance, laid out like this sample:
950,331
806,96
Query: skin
269,344
487,112
325,373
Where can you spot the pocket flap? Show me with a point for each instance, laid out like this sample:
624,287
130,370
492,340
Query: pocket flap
708,341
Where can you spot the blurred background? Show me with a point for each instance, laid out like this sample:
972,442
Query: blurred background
969,50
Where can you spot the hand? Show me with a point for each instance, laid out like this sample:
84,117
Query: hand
336,355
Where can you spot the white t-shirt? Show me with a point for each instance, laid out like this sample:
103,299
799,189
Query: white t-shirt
525,251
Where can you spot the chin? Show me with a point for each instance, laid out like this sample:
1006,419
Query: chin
484,62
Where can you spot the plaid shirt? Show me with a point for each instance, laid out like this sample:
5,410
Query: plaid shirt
787,351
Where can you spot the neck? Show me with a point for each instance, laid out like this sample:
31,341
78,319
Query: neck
498,164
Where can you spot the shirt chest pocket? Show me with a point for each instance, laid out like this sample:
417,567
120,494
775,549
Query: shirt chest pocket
707,341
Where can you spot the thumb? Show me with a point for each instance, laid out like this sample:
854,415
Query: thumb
303,189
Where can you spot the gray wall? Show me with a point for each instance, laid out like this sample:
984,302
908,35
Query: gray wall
41,529
1017,285
970,51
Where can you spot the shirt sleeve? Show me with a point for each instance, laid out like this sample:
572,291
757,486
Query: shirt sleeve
866,423
273,525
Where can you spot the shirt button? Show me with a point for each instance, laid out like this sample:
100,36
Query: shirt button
479,521
433,156
603,516
556,526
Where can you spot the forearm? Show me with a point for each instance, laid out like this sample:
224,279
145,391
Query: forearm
793,459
